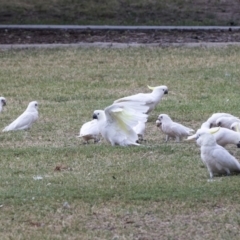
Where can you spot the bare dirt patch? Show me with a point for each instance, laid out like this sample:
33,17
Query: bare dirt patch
15,36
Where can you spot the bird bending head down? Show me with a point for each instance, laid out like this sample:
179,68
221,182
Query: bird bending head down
216,158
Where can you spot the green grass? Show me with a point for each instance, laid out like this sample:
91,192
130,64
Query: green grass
157,189
124,12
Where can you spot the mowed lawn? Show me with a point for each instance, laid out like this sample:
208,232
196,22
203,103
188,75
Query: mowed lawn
155,191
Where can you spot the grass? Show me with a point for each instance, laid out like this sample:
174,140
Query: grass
124,12
105,192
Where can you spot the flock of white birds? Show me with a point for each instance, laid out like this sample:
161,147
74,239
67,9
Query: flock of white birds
123,123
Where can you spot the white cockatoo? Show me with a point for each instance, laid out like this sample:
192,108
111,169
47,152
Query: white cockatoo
212,120
223,136
226,122
172,129
90,130
216,158
148,99
3,103
116,123
26,119
206,125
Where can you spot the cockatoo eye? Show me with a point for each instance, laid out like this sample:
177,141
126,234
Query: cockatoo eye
36,105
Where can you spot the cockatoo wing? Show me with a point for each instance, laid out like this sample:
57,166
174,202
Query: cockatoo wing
179,129
125,119
139,128
89,128
140,97
138,106
24,121
222,157
126,115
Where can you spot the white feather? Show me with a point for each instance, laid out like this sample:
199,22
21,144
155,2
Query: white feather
140,129
116,124
216,158
206,125
212,120
26,119
172,129
223,136
90,130
226,122
235,127
148,99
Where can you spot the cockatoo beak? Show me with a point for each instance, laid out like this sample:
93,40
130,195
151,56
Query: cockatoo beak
152,88
94,116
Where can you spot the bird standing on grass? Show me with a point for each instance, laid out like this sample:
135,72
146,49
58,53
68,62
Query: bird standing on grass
3,103
211,121
216,158
90,130
172,129
116,123
226,122
148,99
26,119
223,136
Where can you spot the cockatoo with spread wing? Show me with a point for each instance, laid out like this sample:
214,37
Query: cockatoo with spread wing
26,119
148,99
116,123
3,102
90,130
226,122
172,129
216,158
223,136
